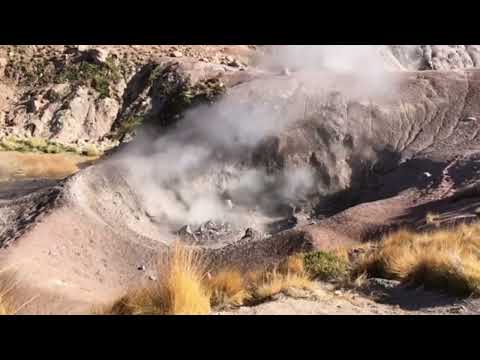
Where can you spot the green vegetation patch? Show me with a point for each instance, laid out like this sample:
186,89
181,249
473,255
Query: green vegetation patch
98,76
326,266
39,145
175,92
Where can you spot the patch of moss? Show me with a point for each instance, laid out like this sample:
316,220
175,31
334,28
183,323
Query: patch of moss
178,94
155,73
127,126
35,145
40,71
98,76
326,266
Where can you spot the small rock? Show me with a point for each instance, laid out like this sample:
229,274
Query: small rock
33,105
99,55
141,268
83,48
248,233
153,278
86,52
384,283
3,64
297,293
470,118
427,174
477,212
185,230
229,204
234,63
456,309
285,72
278,296
337,292
176,54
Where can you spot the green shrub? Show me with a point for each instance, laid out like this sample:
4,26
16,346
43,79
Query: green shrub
326,266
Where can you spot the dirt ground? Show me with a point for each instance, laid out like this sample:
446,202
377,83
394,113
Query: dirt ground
383,301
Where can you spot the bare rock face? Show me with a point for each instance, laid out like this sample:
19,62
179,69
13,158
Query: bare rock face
84,118
437,57
94,97
80,117
116,93
3,64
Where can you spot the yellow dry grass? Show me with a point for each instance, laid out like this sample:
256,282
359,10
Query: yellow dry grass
7,286
32,165
186,287
229,287
10,298
179,290
5,307
293,264
276,282
184,280
447,259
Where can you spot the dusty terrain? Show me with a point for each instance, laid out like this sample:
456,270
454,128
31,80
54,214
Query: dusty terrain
380,160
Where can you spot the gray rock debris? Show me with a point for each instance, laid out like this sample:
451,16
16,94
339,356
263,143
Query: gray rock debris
176,54
207,232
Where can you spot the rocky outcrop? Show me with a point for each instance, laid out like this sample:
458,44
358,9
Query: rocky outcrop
437,57
88,94
82,94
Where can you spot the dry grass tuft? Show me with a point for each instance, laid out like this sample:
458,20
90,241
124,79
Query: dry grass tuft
294,264
229,287
5,307
184,281
446,259
179,291
10,299
7,287
186,287
277,282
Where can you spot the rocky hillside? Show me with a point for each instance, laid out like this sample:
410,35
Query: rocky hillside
89,98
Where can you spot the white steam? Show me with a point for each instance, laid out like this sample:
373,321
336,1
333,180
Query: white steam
189,174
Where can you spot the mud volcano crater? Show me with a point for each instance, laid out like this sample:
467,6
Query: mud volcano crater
314,163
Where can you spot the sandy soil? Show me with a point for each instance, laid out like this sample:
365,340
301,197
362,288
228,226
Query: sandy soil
328,301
